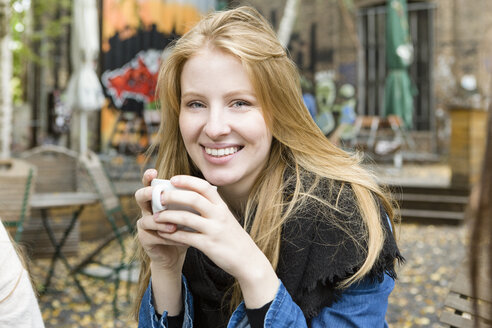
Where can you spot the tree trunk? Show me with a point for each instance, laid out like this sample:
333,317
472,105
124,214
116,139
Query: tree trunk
5,77
287,22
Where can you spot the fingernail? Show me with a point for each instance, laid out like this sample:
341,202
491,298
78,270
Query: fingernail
170,227
174,179
155,216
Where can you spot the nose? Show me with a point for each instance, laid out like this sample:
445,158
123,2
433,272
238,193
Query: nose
217,124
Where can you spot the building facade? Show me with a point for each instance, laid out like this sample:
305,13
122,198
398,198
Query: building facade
452,42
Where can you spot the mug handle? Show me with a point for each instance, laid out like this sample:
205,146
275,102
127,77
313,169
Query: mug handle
156,198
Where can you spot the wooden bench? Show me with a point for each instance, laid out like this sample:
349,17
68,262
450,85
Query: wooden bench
459,308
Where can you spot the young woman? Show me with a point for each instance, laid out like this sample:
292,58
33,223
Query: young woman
291,231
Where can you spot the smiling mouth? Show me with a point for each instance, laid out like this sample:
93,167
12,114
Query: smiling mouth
221,152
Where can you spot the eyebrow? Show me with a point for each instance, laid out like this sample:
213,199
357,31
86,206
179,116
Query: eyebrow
227,95
241,92
192,94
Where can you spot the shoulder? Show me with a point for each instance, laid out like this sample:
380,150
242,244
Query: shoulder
363,304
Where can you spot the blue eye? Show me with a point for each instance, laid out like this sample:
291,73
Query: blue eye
240,103
195,105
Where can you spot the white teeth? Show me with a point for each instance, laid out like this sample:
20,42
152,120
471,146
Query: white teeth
222,151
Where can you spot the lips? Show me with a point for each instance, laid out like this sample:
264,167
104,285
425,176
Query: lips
221,152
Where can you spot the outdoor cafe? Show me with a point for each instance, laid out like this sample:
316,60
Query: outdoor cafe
403,84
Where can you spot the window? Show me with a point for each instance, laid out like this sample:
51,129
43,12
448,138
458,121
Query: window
372,69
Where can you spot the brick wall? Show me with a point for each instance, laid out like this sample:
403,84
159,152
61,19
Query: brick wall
334,45
463,38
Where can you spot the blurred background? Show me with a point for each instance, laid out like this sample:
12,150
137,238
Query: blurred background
406,83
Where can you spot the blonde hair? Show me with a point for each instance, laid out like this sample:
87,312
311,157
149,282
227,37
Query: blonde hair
297,140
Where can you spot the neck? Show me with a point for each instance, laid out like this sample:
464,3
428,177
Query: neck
235,199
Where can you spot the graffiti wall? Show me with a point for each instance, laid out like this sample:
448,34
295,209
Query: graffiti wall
134,35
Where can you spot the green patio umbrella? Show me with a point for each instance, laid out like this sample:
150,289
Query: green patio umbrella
398,90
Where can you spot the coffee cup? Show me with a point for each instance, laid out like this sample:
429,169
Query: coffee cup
162,185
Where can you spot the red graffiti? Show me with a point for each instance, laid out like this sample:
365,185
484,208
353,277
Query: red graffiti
133,80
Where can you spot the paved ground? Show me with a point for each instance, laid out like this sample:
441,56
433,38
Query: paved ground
433,254
63,305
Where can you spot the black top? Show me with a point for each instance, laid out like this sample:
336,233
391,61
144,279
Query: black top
256,317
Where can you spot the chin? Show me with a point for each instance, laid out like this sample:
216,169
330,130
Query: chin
219,180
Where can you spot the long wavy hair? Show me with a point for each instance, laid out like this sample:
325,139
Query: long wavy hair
297,140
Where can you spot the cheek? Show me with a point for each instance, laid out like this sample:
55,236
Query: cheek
182,131
265,137
261,137
263,133
268,142
185,128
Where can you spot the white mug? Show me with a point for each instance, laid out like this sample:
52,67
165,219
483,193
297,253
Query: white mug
160,185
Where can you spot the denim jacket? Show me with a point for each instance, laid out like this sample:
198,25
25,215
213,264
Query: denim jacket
363,304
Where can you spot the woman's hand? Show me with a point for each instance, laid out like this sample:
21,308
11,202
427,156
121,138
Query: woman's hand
218,234
165,254
167,257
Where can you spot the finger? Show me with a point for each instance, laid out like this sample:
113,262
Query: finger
148,175
166,241
143,197
182,218
185,237
186,200
198,185
149,223
149,237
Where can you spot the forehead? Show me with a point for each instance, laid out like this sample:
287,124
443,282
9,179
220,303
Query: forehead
214,65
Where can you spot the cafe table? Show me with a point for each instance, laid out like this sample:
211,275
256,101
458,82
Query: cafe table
73,200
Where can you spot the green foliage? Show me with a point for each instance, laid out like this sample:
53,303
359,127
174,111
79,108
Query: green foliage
34,26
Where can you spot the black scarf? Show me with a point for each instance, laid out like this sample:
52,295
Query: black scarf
316,254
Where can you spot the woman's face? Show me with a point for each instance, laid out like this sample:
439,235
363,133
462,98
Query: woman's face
221,121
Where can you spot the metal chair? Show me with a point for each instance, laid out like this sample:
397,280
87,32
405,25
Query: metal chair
57,172
57,168
94,264
17,178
